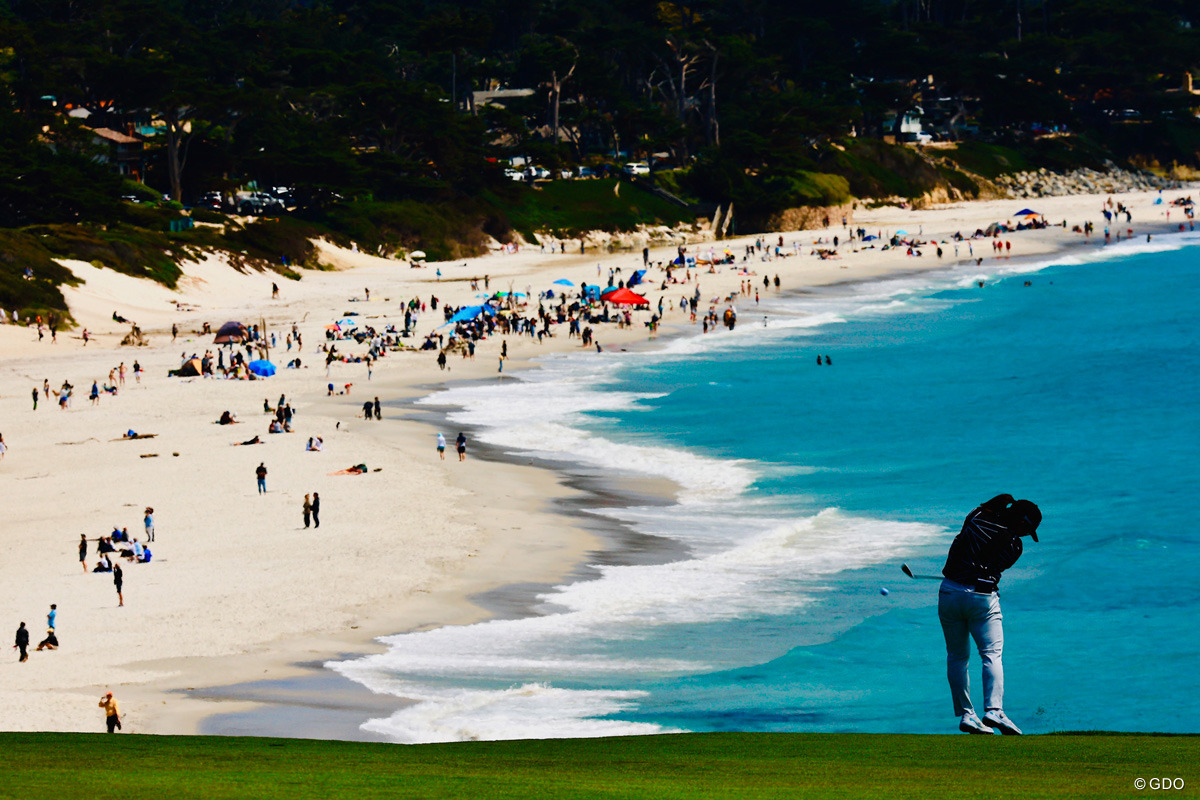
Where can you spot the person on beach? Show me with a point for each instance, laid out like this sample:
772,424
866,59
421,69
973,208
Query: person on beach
307,508
83,551
112,712
316,509
148,521
22,642
51,616
441,447
49,643
969,604
378,410
119,582
261,474
3,447
35,398
461,444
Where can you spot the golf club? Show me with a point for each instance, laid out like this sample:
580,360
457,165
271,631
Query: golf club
904,568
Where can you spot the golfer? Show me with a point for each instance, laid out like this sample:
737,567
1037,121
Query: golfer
969,604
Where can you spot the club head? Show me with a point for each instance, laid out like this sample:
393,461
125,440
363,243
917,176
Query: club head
904,568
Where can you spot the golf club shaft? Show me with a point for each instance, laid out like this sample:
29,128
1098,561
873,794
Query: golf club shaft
905,569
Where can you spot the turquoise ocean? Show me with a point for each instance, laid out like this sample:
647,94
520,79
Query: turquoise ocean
803,488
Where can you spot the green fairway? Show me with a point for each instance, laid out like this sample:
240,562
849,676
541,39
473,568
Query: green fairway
685,766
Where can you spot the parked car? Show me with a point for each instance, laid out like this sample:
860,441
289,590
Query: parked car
587,172
514,174
636,168
537,173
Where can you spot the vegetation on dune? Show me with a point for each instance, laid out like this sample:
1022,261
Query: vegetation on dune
727,765
568,208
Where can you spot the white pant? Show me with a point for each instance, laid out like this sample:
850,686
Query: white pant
962,612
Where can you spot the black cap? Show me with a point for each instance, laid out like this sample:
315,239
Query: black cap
1028,515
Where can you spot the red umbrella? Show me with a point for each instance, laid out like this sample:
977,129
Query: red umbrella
625,297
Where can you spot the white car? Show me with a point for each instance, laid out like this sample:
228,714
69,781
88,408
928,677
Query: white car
538,173
636,168
514,174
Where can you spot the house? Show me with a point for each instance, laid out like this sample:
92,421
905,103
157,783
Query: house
124,153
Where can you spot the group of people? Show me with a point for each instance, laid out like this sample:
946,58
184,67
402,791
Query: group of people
21,643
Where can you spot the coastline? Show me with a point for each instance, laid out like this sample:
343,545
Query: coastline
443,591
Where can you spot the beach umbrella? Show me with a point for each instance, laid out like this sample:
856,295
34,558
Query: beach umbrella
607,290
563,282
625,297
262,368
901,233
347,323
1027,212
231,332
417,255
637,277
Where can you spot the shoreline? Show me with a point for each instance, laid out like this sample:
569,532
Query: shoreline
284,655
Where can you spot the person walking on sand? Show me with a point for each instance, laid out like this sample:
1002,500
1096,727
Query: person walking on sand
441,447
83,552
35,398
378,410
119,582
148,521
261,474
112,712
307,511
316,509
461,444
22,642
969,604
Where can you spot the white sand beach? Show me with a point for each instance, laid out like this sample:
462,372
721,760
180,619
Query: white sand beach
238,589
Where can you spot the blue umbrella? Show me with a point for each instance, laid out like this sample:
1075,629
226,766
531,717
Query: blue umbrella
262,368
348,323
563,282
901,233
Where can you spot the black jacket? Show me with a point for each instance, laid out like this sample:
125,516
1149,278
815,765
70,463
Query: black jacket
22,637
986,546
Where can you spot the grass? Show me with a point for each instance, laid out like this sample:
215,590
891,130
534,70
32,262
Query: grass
718,765
566,208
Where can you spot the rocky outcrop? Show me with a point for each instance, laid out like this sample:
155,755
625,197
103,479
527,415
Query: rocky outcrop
809,218
1045,183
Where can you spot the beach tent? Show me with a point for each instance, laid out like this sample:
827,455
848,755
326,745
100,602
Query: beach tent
262,368
563,282
607,290
870,238
468,313
637,277
592,292
1027,212
625,297
231,332
190,368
